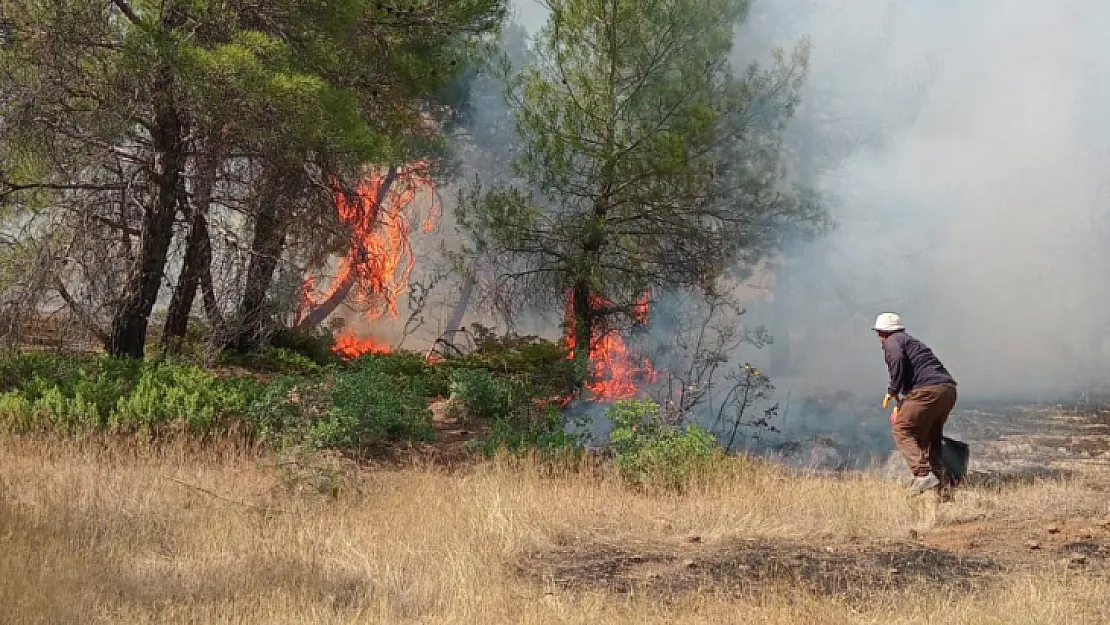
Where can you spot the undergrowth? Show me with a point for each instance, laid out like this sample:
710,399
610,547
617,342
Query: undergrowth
285,400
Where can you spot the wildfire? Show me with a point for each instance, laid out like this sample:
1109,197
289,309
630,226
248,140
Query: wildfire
614,371
375,271
350,347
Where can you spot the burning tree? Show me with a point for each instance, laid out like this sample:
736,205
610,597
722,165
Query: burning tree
650,165
375,269
121,116
616,372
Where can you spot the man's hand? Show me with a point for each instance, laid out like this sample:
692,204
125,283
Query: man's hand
894,414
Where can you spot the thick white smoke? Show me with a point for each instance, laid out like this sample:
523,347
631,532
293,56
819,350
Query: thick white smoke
970,170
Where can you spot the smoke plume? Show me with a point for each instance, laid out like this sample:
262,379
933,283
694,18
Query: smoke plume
963,145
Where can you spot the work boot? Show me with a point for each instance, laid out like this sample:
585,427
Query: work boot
922,484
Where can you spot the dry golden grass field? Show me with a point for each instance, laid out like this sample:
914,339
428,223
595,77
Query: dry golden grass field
97,533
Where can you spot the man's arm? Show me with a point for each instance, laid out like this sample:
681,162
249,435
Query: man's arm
895,359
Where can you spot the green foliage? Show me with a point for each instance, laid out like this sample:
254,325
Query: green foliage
405,366
645,161
478,394
282,360
368,408
541,364
86,394
652,453
546,435
274,360
17,412
259,89
284,410
315,345
374,401
187,397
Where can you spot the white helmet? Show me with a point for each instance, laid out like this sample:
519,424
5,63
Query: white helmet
888,322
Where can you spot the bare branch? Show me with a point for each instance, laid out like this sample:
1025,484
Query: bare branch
129,12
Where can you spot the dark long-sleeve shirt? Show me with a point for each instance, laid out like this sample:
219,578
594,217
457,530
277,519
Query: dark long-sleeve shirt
912,364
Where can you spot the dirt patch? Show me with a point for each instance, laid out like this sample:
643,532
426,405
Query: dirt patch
750,567
1030,545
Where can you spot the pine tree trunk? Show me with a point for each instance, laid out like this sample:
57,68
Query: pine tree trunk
269,240
317,315
144,279
198,252
583,319
460,309
208,290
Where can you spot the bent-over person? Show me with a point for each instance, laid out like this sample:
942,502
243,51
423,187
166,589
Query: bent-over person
924,393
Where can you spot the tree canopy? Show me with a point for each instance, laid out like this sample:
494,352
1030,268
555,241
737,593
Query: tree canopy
651,161
119,117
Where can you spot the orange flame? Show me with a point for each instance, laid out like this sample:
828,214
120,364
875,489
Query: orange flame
376,270
349,346
614,371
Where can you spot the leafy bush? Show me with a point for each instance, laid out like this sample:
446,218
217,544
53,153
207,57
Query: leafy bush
16,412
650,452
546,435
274,360
543,364
478,394
83,394
404,366
315,345
70,414
189,396
17,370
283,411
368,408
68,392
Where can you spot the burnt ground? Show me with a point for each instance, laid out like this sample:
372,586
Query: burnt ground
957,559
1011,446
1079,544
750,567
1009,442
1050,438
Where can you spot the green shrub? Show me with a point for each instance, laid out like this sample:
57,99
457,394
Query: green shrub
283,411
284,360
17,369
404,366
369,408
273,360
16,412
69,414
187,396
479,394
546,435
373,401
315,345
652,453
543,364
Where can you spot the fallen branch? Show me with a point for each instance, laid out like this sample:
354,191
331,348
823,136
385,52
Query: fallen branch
217,495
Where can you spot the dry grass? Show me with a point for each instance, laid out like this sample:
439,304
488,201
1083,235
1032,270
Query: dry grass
90,533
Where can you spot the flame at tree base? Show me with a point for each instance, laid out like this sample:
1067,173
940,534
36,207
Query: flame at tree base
615,373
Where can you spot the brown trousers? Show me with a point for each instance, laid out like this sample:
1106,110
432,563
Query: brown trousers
918,429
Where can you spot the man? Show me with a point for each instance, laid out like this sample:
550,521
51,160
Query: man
924,393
